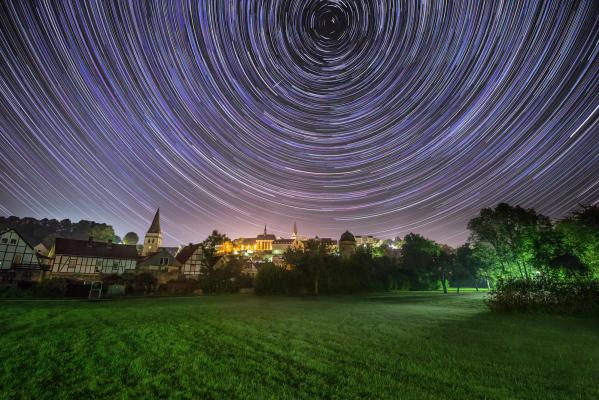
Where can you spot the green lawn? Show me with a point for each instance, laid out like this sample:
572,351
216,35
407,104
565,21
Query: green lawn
398,346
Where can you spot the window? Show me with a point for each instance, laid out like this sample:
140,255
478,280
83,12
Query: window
163,260
72,262
17,260
4,240
13,241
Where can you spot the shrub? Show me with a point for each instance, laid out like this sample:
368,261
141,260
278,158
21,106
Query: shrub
54,287
137,283
180,287
246,281
11,291
272,279
549,295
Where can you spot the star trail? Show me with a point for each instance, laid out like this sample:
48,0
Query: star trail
381,117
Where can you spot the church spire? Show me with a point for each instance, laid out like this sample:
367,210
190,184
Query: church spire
153,239
294,233
155,227
264,229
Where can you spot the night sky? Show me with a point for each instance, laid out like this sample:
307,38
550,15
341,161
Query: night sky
381,117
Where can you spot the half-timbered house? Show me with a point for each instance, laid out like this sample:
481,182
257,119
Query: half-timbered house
190,257
87,257
19,261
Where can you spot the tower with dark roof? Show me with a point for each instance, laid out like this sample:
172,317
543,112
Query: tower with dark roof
347,245
153,239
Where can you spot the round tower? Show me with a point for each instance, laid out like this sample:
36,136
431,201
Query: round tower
347,245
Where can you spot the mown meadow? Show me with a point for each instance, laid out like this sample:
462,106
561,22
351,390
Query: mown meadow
407,345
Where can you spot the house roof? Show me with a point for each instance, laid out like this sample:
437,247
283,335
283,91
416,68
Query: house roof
172,250
88,248
248,241
328,240
266,237
186,252
154,258
283,241
19,234
155,227
347,237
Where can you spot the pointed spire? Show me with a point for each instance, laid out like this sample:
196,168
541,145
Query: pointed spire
155,227
295,228
264,229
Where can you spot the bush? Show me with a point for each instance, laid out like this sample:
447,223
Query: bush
548,295
180,287
12,291
275,280
54,287
136,283
246,281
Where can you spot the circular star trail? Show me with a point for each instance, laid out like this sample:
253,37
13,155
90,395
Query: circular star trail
379,116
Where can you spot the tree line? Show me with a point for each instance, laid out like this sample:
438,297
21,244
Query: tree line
506,243
46,230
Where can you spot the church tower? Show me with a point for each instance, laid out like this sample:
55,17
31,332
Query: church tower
153,239
294,233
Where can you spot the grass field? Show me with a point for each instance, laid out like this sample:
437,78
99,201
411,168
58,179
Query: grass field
398,346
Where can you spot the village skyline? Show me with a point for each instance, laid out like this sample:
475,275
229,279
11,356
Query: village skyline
278,228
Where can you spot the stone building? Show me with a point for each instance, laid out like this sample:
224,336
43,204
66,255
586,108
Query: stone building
153,238
347,245
264,241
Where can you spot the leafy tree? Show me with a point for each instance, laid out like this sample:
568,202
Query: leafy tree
314,262
46,230
445,262
210,277
100,232
466,266
580,232
420,257
512,233
277,280
384,273
214,240
131,238
226,278
485,259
